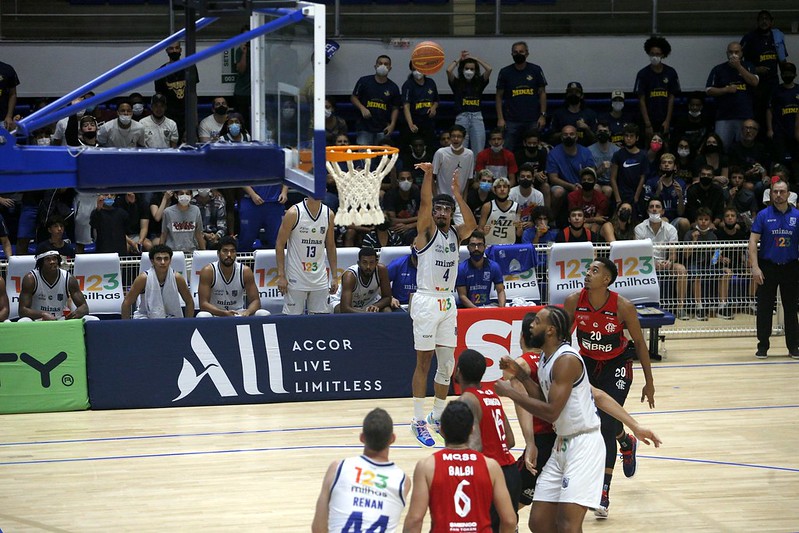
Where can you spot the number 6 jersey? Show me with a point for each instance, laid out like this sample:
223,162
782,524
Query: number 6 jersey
461,492
366,496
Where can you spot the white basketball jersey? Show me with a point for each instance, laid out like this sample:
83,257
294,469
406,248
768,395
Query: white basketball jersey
502,230
368,494
365,294
50,298
579,414
306,256
438,263
228,294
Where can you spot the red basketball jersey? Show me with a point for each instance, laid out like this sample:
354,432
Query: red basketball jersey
461,493
600,332
492,428
539,425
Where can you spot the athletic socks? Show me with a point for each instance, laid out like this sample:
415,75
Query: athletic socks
606,483
624,442
418,409
438,407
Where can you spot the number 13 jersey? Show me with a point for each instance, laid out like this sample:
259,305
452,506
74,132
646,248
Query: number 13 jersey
306,255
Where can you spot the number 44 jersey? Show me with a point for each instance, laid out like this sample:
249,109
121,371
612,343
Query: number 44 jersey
366,496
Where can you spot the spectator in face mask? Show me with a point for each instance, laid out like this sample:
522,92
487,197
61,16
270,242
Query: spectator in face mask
655,86
213,211
233,130
575,114
419,107
209,128
498,159
378,100
175,86
617,117
401,205
124,132
732,84
467,85
159,130
382,235
182,225
695,124
137,104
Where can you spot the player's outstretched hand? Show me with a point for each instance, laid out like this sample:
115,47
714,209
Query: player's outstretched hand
426,167
503,387
646,435
530,458
510,366
648,392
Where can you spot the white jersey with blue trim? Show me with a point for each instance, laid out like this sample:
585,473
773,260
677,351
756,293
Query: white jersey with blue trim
306,255
366,496
437,267
364,294
50,298
229,295
579,414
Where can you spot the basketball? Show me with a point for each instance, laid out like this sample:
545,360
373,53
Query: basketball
427,57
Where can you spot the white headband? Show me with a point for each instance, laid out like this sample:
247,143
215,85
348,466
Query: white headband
48,253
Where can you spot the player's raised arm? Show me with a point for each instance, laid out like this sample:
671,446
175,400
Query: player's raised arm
469,223
424,222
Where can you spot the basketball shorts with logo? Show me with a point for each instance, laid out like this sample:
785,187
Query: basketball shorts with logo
295,301
574,472
435,319
614,376
544,442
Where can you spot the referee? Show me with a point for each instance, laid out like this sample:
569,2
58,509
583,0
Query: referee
776,265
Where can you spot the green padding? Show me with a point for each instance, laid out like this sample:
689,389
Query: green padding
42,367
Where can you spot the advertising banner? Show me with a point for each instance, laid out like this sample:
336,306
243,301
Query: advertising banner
637,280
42,367
100,280
492,331
567,265
161,363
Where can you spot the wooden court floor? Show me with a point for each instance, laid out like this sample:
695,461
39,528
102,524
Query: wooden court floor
730,460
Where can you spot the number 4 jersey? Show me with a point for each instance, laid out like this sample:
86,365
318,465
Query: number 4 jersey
461,492
366,496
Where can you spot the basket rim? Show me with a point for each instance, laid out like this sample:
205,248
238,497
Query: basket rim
353,152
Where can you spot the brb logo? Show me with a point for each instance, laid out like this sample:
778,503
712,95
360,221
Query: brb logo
189,378
45,369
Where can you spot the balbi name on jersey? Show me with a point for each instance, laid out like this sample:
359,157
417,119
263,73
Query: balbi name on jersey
460,471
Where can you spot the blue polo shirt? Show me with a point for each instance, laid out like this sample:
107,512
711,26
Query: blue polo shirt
478,280
402,275
779,234
566,166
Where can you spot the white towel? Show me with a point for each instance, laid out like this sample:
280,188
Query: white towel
158,301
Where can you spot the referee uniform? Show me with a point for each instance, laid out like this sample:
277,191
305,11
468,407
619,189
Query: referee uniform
777,259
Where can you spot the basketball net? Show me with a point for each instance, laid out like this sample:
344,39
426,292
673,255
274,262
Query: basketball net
359,188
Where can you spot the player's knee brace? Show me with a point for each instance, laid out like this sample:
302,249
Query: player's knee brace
445,359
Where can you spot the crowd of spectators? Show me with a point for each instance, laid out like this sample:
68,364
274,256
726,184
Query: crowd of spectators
666,168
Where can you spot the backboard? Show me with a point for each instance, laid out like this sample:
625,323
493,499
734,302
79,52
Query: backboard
288,77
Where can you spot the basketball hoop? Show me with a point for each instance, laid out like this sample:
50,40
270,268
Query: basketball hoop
359,188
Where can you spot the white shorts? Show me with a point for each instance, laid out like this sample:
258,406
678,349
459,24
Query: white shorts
295,302
575,471
435,321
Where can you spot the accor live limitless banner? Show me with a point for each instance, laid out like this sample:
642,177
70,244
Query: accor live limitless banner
181,362
42,367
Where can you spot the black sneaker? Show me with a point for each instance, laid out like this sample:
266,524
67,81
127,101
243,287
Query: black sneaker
761,353
701,314
793,354
724,311
628,460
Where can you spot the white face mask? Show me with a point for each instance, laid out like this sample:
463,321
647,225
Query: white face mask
288,112
654,218
405,186
683,152
617,106
694,113
43,141
203,192
125,119
468,74
328,113
138,109
184,199
417,75
655,60
496,149
381,70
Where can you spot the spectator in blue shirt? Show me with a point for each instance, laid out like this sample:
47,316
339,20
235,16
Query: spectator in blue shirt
476,274
775,265
521,97
378,100
402,275
732,84
419,106
656,86
564,164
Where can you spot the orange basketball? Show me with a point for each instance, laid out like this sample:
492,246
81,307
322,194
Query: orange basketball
427,57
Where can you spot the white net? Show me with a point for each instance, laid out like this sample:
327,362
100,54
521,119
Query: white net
359,189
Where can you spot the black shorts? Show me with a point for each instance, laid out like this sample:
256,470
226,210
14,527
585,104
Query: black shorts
544,442
614,376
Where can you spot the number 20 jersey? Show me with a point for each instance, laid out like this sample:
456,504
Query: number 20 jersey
366,496
600,332
306,256
437,267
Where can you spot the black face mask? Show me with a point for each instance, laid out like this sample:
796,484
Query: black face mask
705,182
573,99
174,56
667,173
221,110
569,141
624,215
787,79
89,134
603,136
519,58
730,226
711,149
526,183
587,185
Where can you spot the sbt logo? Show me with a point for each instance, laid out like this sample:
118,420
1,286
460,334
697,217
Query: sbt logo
45,369
494,339
212,369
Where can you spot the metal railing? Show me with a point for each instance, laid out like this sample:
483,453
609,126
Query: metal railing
710,276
